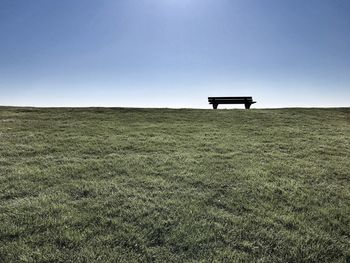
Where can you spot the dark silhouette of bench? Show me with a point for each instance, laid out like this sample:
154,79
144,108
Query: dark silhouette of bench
215,101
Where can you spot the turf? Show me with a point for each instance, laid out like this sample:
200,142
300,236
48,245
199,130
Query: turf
162,185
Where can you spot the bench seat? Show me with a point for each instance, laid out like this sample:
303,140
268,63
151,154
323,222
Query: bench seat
215,101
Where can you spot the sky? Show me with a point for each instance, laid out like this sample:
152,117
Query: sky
174,53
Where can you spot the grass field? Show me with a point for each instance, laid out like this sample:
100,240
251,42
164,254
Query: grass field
162,185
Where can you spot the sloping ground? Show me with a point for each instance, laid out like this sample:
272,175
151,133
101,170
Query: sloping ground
138,185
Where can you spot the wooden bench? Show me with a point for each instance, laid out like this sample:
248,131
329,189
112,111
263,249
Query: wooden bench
215,101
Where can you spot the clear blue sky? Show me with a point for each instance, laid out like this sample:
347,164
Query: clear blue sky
174,53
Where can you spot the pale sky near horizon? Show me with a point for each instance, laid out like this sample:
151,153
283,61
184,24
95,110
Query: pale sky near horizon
174,53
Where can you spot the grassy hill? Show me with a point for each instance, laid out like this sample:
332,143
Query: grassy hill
162,185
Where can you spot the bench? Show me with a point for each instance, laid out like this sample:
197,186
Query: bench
215,101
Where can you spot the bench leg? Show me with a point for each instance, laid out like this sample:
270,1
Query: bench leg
215,106
247,106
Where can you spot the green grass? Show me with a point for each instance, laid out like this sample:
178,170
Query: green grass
162,185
